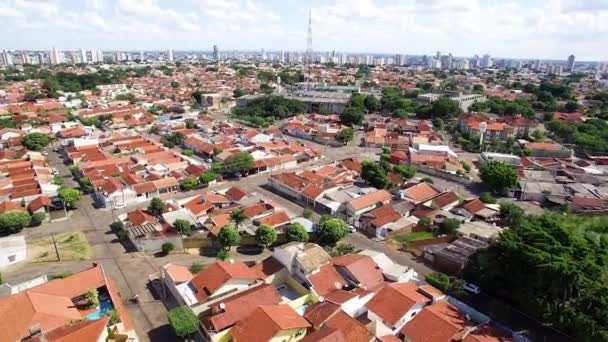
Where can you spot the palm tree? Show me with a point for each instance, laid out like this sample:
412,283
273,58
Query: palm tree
238,217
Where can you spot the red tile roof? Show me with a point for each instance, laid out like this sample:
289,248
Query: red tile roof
352,329
266,322
242,305
372,198
362,268
326,280
438,322
216,275
236,194
274,220
393,301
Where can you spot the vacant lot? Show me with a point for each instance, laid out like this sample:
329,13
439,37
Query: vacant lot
71,246
413,236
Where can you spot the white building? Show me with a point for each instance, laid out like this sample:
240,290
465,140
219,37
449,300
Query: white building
83,55
170,55
12,250
486,61
55,56
5,58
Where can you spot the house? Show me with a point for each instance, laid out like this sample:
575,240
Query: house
391,270
451,258
384,221
274,220
50,308
233,309
301,259
270,323
395,305
475,208
443,322
12,250
42,204
206,202
479,230
217,281
364,203
548,150
444,201
419,193
359,270
336,325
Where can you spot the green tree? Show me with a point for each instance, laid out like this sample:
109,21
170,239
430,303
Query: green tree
174,84
188,183
154,130
182,226
92,296
265,235
238,217
372,104
571,106
228,237
424,223
187,153
196,267
240,162
427,180
58,180
156,206
207,177
345,135
217,150
486,197
296,232
449,226
344,248
35,141
167,248
438,280
183,321
190,124
352,116
70,196
405,171
222,254
511,214
331,231
443,107
37,219
498,176
13,221
307,213
238,92
374,174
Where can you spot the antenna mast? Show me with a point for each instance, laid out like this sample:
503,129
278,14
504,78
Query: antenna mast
308,57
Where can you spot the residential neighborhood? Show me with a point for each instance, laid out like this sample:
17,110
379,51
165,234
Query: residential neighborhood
287,196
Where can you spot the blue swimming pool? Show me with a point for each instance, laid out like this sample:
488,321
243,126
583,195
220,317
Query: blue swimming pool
104,306
302,309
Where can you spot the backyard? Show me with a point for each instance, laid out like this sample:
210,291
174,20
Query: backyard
71,246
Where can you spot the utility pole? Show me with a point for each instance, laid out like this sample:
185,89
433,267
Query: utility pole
55,245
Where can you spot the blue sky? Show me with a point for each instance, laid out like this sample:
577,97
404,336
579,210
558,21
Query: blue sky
506,28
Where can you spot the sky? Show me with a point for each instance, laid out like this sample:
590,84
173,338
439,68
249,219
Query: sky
549,29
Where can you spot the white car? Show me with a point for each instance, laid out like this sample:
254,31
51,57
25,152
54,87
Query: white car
472,288
352,228
55,171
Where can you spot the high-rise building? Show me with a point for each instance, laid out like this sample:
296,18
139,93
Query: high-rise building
25,58
100,56
93,55
55,56
216,53
170,55
83,55
401,60
570,65
6,58
486,61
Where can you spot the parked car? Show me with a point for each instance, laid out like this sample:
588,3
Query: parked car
472,288
45,153
55,171
352,228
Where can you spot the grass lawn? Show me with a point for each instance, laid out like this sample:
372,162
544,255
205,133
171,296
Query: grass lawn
413,236
71,245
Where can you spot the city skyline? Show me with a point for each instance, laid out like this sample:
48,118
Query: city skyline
531,30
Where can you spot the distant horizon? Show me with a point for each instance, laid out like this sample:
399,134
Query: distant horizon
547,30
302,51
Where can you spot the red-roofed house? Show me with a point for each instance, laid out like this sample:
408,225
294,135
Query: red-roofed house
221,279
269,323
395,305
